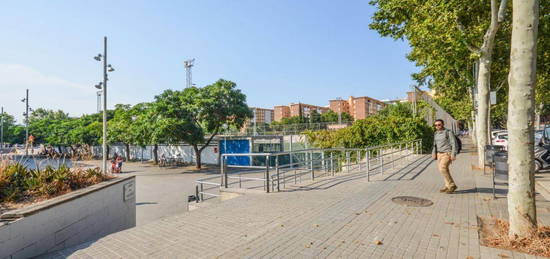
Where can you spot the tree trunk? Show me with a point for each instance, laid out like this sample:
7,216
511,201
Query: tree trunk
197,156
127,152
155,153
108,149
521,107
484,78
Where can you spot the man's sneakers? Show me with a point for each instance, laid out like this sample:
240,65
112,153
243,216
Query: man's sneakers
451,190
446,190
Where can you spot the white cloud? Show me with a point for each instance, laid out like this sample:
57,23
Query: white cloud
46,91
24,76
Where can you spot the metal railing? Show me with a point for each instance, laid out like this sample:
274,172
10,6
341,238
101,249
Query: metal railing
283,129
273,171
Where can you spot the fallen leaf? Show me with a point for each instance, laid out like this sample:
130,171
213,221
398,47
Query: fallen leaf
503,256
450,223
378,242
435,235
282,225
469,257
317,225
358,213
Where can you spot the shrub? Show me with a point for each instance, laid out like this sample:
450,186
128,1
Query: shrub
19,183
392,125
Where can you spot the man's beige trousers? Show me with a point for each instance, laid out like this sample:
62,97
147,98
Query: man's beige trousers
443,162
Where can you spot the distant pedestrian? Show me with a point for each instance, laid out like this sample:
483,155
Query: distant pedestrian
119,160
444,150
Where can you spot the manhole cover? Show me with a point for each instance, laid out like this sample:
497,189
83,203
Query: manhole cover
411,201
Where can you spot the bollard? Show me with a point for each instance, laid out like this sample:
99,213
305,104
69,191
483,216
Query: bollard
311,165
197,193
367,156
277,172
267,174
223,172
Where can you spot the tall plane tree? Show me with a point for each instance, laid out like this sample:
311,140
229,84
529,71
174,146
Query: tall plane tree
446,55
196,115
521,111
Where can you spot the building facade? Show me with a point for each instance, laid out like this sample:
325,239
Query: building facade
358,107
281,112
297,109
262,115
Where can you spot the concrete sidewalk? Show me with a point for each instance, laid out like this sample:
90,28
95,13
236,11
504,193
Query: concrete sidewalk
343,216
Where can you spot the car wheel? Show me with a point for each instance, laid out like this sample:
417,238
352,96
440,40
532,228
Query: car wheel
538,166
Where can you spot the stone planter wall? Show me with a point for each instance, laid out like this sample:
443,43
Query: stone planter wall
69,219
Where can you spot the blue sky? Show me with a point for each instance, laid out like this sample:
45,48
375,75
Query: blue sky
277,51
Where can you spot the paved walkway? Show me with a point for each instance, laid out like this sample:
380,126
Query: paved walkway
343,216
162,191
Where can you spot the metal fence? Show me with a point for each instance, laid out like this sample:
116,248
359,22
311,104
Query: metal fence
274,171
283,129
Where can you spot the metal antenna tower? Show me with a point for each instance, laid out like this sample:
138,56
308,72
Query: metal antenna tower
188,65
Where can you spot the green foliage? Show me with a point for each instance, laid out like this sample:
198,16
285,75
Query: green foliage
19,183
332,116
441,49
290,120
189,115
13,133
392,125
314,117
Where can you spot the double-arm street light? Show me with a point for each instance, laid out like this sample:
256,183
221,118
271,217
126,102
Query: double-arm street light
103,85
26,114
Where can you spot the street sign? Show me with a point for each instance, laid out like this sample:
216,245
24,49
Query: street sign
493,97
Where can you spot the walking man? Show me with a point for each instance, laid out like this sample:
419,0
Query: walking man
444,150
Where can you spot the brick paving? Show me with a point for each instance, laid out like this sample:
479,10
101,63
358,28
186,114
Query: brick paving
336,217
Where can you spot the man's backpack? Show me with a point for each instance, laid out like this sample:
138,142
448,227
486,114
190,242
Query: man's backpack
458,142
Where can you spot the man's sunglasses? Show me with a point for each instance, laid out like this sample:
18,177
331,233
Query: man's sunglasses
438,125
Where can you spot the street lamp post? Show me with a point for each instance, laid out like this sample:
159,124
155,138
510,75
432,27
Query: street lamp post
26,114
2,130
103,85
98,101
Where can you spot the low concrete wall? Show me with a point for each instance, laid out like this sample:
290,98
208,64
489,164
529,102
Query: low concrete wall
69,219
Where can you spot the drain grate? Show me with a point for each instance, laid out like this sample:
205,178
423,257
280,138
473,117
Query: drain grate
411,201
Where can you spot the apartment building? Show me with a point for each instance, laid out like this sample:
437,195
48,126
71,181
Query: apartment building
358,107
262,115
302,109
297,109
339,106
281,112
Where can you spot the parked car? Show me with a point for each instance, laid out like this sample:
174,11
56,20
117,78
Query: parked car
501,140
538,136
542,149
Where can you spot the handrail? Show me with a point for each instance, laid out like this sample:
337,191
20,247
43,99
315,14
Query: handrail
330,161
